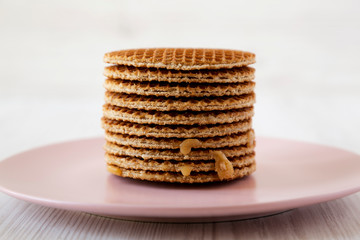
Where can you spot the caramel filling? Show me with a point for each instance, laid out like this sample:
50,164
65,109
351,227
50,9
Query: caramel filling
223,166
251,138
186,170
185,148
186,145
114,170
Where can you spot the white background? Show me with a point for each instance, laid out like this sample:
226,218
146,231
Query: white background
308,68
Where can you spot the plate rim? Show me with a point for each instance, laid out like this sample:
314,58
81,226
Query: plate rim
126,210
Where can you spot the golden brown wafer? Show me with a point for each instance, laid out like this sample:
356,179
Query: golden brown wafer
174,154
134,101
174,166
236,139
175,131
180,58
230,75
194,177
178,89
175,117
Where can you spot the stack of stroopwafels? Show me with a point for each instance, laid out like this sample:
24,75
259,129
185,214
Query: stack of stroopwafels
179,115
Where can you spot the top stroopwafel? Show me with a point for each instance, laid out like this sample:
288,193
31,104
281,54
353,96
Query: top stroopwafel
180,58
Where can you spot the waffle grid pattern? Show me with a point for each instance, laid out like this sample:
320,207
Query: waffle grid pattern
180,58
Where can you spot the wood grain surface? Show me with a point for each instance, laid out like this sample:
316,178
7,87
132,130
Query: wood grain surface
338,219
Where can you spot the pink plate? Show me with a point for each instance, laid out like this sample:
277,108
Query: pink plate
289,174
